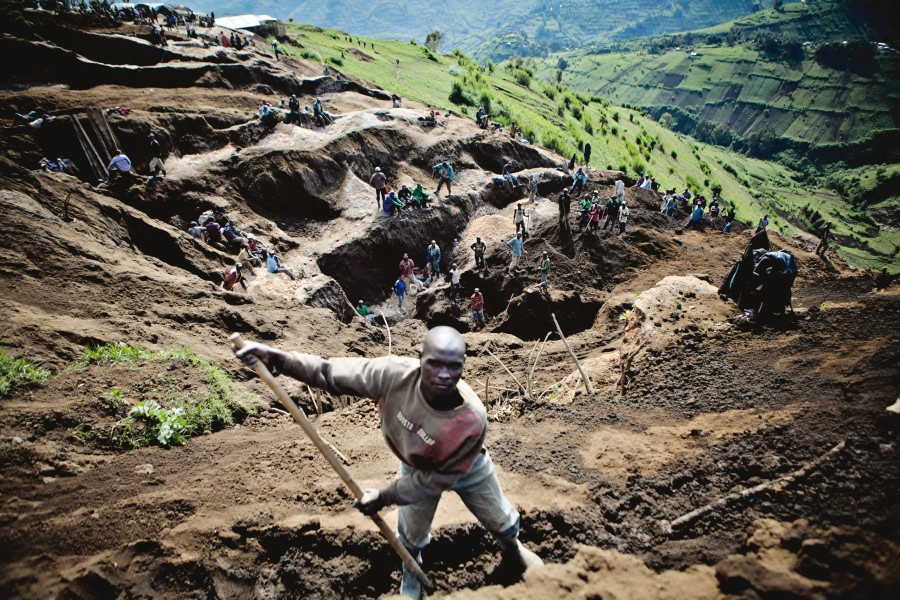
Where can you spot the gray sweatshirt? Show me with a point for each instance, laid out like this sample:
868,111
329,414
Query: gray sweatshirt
440,445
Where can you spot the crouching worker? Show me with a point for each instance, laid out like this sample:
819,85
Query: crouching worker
433,422
234,277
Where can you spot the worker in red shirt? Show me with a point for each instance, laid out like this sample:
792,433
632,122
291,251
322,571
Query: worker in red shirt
478,308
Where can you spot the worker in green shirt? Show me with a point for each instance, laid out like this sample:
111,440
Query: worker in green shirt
362,309
545,271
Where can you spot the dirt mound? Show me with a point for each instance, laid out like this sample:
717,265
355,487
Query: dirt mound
782,560
709,406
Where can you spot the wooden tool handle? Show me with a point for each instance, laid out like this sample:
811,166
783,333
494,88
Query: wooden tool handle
308,428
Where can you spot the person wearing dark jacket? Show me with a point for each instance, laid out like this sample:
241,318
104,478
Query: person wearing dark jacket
379,182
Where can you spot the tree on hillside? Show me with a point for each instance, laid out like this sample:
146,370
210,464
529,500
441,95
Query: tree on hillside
434,40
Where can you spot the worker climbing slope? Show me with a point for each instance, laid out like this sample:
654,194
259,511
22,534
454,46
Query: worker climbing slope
433,422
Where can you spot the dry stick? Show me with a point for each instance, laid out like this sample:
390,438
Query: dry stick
325,450
388,327
534,364
502,389
315,400
482,351
353,309
626,364
487,389
667,527
507,370
587,382
530,354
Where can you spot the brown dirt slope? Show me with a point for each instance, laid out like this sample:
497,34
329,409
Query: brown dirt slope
712,402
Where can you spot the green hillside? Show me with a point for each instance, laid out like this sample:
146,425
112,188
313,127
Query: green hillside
505,27
821,20
759,91
621,138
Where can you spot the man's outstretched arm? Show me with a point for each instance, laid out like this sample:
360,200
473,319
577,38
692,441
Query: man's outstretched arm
340,376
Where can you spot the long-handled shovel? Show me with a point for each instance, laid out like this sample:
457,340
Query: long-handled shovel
323,448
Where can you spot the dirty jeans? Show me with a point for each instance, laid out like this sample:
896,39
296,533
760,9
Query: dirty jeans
522,225
480,492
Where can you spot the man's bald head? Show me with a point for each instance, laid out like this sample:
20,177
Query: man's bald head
442,358
444,339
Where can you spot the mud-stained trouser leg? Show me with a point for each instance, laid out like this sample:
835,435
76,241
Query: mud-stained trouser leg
414,532
480,492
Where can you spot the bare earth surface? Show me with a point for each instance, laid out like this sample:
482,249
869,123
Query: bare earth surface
712,403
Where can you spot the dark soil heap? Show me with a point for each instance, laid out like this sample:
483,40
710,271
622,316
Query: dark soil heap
711,403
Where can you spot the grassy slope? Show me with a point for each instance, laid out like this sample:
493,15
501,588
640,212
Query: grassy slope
744,90
756,188
573,23
823,20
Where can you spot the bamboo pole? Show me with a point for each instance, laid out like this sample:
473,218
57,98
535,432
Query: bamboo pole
338,453
324,448
388,327
587,382
506,369
667,527
530,354
534,364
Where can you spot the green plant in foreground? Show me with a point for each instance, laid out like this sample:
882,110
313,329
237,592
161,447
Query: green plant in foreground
115,398
164,425
76,434
211,406
111,354
18,373
554,391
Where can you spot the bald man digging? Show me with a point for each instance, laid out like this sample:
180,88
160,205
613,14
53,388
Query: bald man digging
435,424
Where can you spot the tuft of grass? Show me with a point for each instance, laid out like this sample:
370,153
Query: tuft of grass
79,435
18,373
111,354
210,407
116,398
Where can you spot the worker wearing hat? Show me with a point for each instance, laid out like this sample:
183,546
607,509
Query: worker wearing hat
623,216
379,182
477,304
